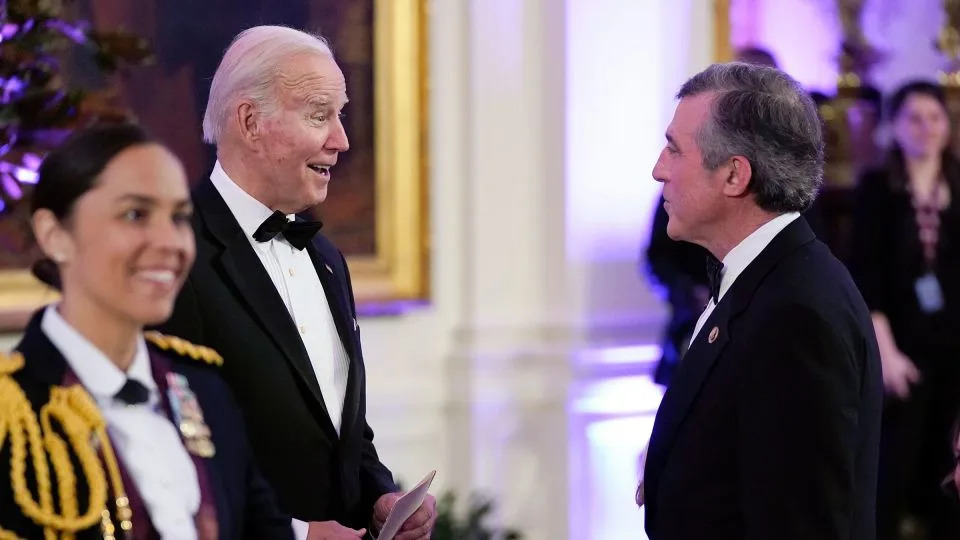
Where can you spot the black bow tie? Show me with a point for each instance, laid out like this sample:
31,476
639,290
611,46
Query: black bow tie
133,393
298,233
714,276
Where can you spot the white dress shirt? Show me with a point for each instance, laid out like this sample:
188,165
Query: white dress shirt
740,257
145,440
292,272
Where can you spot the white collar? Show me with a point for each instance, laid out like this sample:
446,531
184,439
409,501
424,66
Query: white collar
248,211
747,250
96,372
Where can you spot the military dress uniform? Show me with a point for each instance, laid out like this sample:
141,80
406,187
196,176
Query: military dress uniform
165,456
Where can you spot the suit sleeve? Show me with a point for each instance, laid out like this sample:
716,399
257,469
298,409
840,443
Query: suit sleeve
375,478
262,517
798,405
262,514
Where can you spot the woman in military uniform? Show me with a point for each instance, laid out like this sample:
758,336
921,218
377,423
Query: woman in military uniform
107,431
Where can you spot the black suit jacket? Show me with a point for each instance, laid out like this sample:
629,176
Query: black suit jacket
246,507
771,429
230,304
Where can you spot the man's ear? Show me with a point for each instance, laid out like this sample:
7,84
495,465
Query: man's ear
249,122
739,176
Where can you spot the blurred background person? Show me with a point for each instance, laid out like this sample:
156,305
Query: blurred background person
906,261
677,270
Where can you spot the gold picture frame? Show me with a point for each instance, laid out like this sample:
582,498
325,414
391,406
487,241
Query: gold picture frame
397,274
722,46
20,295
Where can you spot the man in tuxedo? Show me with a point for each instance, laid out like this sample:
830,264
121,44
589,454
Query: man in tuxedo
771,424
273,296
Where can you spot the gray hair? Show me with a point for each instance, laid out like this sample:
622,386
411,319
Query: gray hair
248,70
764,115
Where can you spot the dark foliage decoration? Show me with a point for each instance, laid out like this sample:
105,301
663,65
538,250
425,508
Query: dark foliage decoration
57,74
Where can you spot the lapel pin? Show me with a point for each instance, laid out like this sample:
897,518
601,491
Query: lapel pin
714,332
355,325
327,266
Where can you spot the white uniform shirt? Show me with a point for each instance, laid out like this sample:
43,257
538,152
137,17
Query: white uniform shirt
145,440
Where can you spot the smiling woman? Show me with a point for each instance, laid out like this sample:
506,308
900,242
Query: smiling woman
111,212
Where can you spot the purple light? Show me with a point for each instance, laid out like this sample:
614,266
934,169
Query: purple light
390,308
805,37
4,148
31,161
21,174
77,33
11,186
7,31
11,87
26,176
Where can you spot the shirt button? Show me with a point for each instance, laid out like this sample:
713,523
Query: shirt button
291,272
303,329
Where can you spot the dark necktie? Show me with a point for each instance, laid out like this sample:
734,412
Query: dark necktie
714,276
298,233
133,393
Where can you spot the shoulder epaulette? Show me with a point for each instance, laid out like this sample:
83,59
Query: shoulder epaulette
183,347
10,363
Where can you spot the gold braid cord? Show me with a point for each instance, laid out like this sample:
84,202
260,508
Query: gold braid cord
75,411
183,347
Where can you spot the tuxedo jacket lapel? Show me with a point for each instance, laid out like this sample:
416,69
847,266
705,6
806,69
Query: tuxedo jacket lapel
254,288
696,364
680,395
337,298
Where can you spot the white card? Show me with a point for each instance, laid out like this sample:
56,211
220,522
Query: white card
406,505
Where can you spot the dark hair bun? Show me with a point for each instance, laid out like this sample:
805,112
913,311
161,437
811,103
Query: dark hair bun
47,271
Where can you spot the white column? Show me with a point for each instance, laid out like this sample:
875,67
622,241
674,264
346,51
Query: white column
509,366
625,62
